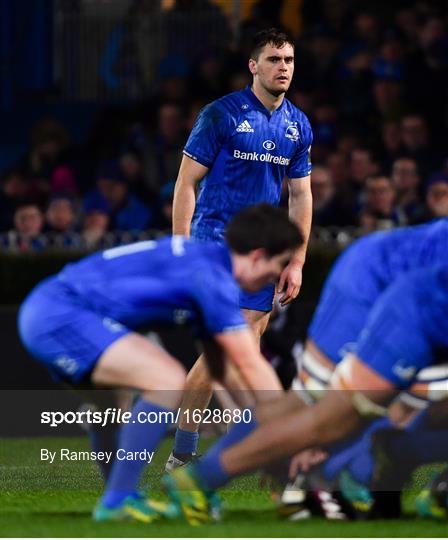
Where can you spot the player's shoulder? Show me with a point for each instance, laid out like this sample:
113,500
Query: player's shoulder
294,114
232,103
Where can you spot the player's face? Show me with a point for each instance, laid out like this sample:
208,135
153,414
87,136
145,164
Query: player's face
264,270
274,68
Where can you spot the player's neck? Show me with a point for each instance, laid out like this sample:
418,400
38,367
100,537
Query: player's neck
270,101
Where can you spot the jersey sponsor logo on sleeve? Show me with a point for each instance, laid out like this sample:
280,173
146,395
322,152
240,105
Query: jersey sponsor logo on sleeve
245,127
256,156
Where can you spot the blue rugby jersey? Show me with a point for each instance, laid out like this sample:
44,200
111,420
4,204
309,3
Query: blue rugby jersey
371,264
171,281
248,152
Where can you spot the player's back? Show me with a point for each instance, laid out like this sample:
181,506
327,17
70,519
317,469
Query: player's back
370,264
151,280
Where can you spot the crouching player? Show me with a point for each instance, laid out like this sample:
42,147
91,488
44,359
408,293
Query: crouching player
356,281
80,324
403,332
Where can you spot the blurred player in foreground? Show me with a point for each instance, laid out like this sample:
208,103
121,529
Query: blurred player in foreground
239,152
80,324
403,332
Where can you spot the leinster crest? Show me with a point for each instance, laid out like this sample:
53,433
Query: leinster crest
292,132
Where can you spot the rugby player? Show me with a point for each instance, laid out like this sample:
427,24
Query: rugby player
239,152
81,325
405,328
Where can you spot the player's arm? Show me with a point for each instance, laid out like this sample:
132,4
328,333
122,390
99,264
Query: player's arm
300,211
240,348
342,409
190,172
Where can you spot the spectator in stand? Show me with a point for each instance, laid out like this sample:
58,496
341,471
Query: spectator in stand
96,223
127,211
207,81
28,227
415,136
338,166
132,172
14,189
427,72
347,198
391,147
60,215
436,198
164,219
406,182
378,211
163,152
323,197
325,130
63,181
50,141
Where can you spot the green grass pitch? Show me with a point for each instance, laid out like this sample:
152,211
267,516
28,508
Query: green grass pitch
38,499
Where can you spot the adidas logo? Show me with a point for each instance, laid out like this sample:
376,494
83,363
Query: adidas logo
245,127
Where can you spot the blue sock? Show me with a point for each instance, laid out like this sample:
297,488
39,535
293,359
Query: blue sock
104,439
134,437
186,442
356,455
209,468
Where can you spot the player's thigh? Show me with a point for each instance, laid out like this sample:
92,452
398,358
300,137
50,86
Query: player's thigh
135,362
62,334
394,342
257,320
337,321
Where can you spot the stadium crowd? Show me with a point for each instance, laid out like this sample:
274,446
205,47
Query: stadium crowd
371,77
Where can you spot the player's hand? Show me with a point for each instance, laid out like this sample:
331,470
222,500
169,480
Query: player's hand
304,460
289,283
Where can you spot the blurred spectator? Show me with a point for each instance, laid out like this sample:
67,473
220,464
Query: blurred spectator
50,141
96,222
63,181
14,189
132,172
415,136
379,211
60,215
406,182
338,167
324,130
427,72
163,152
165,214
127,211
391,145
323,197
207,80
437,197
28,227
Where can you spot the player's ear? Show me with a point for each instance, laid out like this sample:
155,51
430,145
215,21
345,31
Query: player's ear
258,254
253,66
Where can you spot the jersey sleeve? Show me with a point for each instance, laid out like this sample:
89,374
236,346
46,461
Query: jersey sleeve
208,135
300,164
217,296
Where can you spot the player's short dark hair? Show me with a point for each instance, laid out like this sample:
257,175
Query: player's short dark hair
274,36
263,226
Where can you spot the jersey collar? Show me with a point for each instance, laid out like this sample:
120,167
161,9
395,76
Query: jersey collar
257,103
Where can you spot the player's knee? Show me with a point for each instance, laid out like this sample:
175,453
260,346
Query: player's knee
176,378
